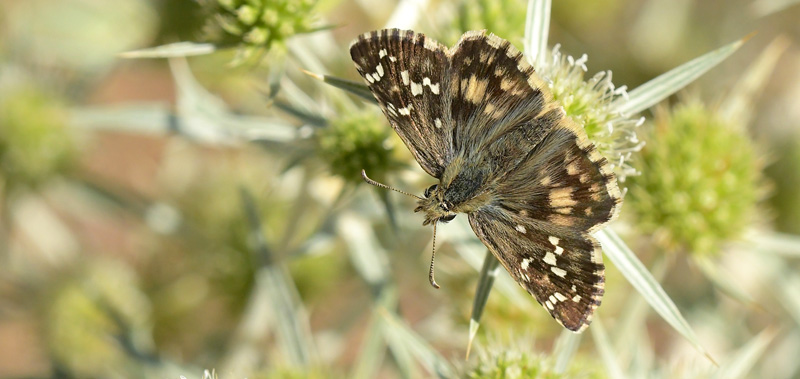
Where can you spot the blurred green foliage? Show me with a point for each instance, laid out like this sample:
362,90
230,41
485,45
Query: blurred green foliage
94,311
785,174
35,142
502,17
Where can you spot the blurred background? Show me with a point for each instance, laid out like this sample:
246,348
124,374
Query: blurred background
162,217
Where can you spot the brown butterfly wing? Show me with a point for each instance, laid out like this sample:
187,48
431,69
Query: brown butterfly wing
408,75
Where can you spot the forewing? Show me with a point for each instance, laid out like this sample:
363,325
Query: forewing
562,268
496,98
563,181
407,74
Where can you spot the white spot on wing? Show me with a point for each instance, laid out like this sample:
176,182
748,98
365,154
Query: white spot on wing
558,271
379,69
525,263
404,76
438,123
426,81
550,259
559,296
576,298
393,59
520,229
548,305
416,89
555,240
382,53
406,111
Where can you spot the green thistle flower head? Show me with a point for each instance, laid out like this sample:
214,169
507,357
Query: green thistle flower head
355,142
513,363
589,103
35,144
700,180
257,25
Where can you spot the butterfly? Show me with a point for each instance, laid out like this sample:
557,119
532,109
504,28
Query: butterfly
477,118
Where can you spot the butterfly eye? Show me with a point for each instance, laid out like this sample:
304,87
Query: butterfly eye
447,218
430,190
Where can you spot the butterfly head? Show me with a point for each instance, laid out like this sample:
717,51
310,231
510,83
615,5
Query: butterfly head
436,208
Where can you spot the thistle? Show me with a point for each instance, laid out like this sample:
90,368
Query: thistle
257,25
354,142
515,362
700,180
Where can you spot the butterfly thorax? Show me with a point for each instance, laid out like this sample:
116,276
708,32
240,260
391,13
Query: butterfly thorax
459,191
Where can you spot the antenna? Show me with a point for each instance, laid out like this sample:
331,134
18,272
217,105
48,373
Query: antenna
433,255
381,185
